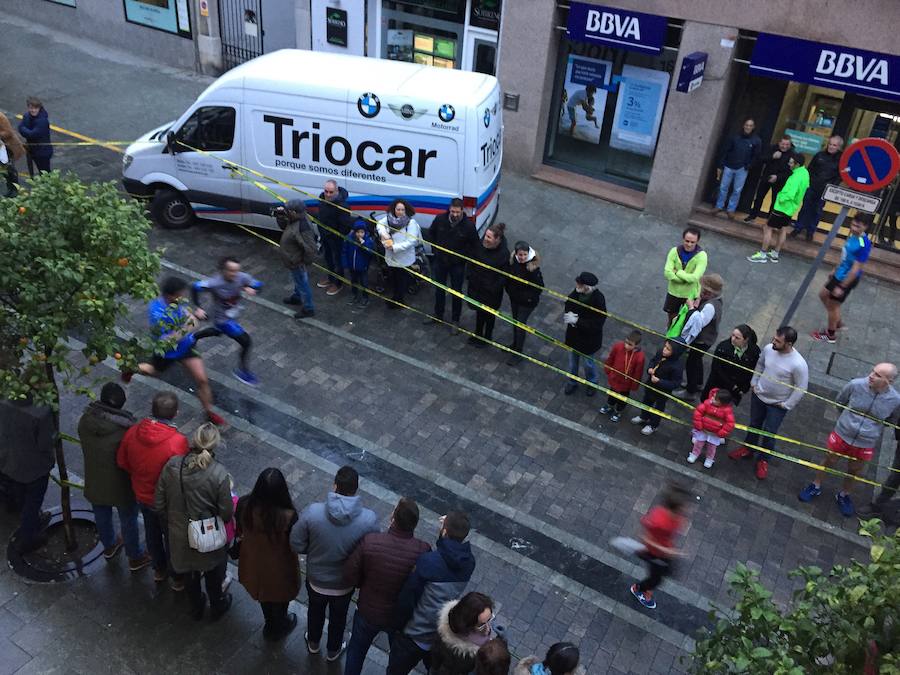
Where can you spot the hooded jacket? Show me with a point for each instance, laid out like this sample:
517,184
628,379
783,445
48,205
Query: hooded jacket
790,197
486,285
460,238
526,667
298,244
668,369
36,132
622,362
333,214
714,418
101,429
530,270
438,577
586,336
684,280
144,451
824,168
327,532
379,566
451,654
27,451
355,256
726,372
864,432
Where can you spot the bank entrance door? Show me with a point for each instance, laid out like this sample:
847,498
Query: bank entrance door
480,52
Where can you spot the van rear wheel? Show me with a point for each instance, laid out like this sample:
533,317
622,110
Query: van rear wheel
171,210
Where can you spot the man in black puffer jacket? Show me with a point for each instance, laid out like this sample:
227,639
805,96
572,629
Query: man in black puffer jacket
454,231
823,170
337,222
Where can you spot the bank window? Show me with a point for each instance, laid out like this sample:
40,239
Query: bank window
210,129
607,111
428,32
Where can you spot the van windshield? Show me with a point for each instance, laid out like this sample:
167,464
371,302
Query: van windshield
210,128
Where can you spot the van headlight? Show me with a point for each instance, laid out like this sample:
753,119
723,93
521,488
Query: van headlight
126,161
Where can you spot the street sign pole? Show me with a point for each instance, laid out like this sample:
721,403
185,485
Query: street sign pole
811,272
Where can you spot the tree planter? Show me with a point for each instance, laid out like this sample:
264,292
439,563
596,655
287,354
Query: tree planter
53,562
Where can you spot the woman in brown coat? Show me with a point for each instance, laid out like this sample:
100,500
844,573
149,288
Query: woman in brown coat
268,568
13,150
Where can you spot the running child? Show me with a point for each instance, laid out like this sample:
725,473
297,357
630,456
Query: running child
624,367
226,288
661,524
713,421
170,318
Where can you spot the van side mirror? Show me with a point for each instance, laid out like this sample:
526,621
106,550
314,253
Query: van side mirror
171,143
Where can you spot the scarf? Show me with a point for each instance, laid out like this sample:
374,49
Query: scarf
397,222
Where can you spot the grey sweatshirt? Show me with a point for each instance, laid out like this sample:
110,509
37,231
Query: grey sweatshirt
226,295
776,376
859,429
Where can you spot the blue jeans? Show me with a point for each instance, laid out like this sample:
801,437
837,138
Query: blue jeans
810,212
441,270
733,178
156,538
301,286
103,517
767,417
364,633
590,367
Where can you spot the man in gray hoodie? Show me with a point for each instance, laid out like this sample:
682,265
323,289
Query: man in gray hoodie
871,401
327,532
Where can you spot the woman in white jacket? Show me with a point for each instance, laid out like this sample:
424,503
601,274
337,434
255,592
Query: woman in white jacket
399,234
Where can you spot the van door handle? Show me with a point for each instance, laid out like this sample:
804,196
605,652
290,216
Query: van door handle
229,167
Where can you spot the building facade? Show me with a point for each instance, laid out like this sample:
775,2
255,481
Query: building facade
592,97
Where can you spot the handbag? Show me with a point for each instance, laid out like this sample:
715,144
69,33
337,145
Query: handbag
206,534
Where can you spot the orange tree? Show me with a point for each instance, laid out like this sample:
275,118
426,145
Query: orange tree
72,255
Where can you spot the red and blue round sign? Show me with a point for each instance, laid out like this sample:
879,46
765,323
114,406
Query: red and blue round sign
869,164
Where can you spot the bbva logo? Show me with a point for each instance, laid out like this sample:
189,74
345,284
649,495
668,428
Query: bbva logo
852,66
609,23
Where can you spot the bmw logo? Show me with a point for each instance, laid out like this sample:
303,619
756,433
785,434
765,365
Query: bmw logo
447,112
487,117
368,105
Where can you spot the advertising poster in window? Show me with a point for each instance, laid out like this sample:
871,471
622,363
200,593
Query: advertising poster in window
583,99
400,45
171,16
639,109
336,26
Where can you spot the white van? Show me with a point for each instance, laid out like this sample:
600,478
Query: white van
381,129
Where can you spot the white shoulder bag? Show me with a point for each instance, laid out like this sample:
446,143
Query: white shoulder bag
207,534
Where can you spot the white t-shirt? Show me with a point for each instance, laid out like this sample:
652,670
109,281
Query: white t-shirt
578,98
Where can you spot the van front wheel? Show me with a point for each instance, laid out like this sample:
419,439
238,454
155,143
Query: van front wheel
171,210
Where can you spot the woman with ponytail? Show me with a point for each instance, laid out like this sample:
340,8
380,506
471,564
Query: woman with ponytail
733,364
194,487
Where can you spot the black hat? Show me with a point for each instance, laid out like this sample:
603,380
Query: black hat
587,279
112,395
296,205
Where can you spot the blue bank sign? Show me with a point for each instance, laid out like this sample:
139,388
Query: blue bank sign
838,67
616,27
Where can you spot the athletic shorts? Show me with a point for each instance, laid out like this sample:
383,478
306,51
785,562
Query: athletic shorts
161,363
231,328
832,283
778,220
842,447
672,304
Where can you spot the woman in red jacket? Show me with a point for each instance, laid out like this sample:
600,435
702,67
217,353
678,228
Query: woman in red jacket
624,368
713,421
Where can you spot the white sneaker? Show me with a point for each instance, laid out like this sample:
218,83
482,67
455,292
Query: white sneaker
707,463
692,457
637,419
773,256
226,582
647,430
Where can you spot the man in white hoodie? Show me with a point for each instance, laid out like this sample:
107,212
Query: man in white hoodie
871,401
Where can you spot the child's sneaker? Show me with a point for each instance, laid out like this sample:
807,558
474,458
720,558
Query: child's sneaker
637,419
615,417
606,410
647,430
708,463
758,257
809,493
773,256
692,457
648,603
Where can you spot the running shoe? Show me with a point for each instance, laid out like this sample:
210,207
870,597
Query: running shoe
758,257
739,453
113,550
333,289
334,656
845,504
809,493
312,648
606,409
647,430
126,376
637,419
137,564
824,336
773,256
218,420
615,417
324,283
648,603
762,469
246,377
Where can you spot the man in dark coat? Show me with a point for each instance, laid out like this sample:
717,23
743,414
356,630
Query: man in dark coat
738,153
584,328
100,429
773,174
379,566
27,455
336,222
823,171
298,251
454,231
35,129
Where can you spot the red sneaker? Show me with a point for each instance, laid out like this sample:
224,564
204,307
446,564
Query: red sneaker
762,469
739,453
126,376
218,420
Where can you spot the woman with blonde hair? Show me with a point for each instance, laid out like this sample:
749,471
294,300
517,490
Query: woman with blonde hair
192,488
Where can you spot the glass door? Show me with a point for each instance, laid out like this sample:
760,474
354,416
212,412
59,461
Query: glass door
480,55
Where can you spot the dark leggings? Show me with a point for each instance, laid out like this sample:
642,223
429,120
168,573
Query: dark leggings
243,339
484,324
617,404
657,569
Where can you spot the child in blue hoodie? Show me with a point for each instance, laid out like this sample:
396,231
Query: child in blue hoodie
356,256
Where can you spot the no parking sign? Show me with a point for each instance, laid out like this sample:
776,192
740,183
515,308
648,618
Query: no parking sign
869,164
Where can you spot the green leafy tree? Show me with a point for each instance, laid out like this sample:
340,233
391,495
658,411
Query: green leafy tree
72,256
846,621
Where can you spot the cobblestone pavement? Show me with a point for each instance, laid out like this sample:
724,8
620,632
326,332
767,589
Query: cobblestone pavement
547,479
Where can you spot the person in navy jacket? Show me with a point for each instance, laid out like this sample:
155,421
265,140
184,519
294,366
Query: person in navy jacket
35,129
356,255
